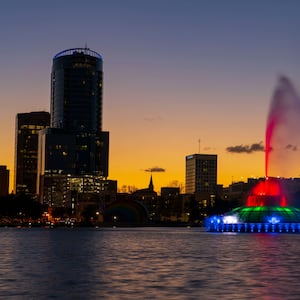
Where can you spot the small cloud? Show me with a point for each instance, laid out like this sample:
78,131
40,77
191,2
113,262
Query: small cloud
152,119
255,147
155,169
291,147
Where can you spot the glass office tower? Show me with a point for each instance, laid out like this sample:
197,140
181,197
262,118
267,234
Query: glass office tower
76,117
76,91
74,147
76,107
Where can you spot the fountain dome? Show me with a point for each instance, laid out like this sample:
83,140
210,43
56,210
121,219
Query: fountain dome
266,210
264,214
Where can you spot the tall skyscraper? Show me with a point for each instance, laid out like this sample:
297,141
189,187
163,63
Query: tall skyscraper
76,91
201,173
75,144
76,108
27,129
4,181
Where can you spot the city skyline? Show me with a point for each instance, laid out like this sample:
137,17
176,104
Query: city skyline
175,72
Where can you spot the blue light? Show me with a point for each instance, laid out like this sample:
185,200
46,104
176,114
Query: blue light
215,220
274,220
270,222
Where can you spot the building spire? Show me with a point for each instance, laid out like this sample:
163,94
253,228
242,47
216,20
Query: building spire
151,187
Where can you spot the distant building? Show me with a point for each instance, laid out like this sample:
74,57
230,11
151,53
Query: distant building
76,192
149,198
291,186
146,193
237,192
27,130
201,173
172,205
201,181
64,152
4,181
168,192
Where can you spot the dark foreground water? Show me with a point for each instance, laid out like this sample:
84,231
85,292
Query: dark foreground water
147,263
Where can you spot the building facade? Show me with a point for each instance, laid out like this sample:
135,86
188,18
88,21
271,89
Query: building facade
76,110
27,129
76,91
4,181
201,182
77,192
201,173
74,146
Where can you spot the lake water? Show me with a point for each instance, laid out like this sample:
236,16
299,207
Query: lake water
147,263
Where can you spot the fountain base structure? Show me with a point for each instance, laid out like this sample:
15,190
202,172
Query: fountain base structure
266,211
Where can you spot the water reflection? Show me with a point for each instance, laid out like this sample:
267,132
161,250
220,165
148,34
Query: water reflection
146,263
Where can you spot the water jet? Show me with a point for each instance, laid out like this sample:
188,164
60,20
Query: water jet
267,207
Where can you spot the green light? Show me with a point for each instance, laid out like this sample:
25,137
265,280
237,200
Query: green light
258,208
257,214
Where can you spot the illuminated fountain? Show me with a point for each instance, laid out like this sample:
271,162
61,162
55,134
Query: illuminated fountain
266,209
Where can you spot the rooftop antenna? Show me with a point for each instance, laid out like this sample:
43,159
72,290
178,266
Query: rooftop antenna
198,146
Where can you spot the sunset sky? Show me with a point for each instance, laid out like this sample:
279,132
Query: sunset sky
175,72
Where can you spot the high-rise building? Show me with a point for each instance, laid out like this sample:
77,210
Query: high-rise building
201,173
75,144
4,181
76,111
27,129
76,91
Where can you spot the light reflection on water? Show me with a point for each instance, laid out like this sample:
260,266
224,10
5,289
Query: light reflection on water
147,263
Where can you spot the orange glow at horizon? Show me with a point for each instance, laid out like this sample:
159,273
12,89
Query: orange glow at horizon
142,138
129,170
